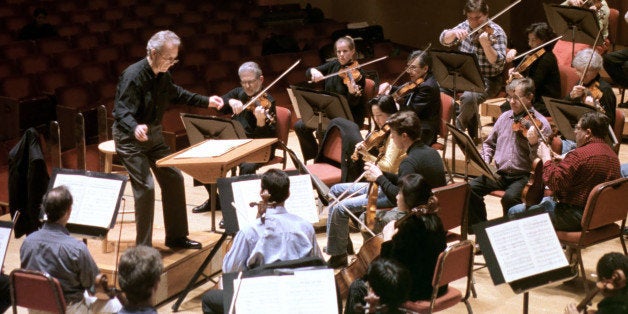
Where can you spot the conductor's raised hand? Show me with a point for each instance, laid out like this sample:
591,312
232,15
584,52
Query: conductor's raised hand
216,102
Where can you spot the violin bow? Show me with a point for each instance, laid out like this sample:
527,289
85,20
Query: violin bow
351,68
408,66
494,17
537,48
581,81
254,98
534,124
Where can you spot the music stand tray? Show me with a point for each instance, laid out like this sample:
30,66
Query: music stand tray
471,153
458,71
200,128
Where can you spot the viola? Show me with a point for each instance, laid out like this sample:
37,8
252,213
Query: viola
375,139
350,77
263,205
405,88
534,190
103,291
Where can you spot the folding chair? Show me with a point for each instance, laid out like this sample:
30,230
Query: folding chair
36,290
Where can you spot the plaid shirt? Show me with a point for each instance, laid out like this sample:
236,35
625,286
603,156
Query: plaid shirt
573,178
472,45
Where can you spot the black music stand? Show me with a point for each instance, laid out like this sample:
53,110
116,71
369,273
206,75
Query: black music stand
579,23
471,154
316,108
200,128
566,114
456,71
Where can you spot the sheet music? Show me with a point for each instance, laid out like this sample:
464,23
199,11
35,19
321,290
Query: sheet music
5,236
212,148
301,201
306,291
95,199
526,247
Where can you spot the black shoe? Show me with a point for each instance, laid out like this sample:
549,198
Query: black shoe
205,207
477,250
221,224
337,261
183,243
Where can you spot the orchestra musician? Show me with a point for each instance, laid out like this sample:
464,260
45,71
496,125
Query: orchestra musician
405,132
388,287
572,178
543,70
612,270
616,64
512,144
415,244
424,98
345,57
255,120
602,11
490,50
139,273
52,250
144,92
280,236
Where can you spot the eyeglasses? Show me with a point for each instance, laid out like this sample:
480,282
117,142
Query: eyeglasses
172,60
249,82
577,127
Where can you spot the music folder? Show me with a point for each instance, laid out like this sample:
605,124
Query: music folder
96,199
523,252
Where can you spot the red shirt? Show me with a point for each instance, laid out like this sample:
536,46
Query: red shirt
573,178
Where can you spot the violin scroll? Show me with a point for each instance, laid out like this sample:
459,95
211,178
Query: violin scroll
263,205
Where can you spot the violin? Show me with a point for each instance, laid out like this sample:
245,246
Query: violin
375,139
264,102
522,124
350,77
582,306
372,305
263,205
102,290
405,88
526,63
534,190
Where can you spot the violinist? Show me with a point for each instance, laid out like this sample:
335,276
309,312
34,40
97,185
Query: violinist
387,289
405,132
602,11
612,270
281,237
414,241
512,144
593,91
52,250
572,178
352,89
421,94
139,273
257,120
541,66
489,46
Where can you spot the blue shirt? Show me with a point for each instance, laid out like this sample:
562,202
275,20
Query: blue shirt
283,237
52,250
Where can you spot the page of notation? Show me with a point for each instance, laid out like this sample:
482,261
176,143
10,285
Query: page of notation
212,148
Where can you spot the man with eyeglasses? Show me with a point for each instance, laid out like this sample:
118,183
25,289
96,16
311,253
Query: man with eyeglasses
257,121
573,177
512,145
490,50
424,98
145,91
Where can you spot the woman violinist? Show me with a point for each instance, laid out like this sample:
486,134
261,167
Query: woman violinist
350,85
420,94
541,66
414,241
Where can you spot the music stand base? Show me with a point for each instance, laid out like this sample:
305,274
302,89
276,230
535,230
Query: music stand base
199,272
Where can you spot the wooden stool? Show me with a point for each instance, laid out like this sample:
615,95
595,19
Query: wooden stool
108,149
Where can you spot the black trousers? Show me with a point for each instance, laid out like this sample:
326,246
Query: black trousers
481,186
139,159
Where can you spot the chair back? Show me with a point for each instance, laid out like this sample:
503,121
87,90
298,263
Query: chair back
613,25
36,290
284,117
446,107
618,127
568,78
453,200
606,204
454,263
332,148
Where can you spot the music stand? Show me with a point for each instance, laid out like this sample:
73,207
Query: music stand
316,108
566,114
456,70
579,23
471,154
200,128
